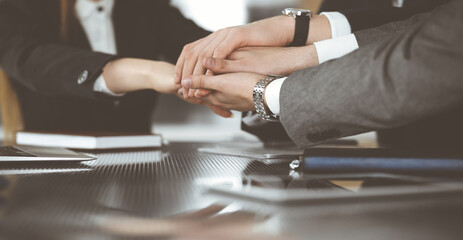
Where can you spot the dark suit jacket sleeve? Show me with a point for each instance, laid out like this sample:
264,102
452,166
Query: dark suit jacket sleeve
30,53
382,85
369,17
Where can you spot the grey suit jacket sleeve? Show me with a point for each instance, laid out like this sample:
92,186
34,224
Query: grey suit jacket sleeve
413,75
389,30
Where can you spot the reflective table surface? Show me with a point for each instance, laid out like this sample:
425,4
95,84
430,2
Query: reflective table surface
160,194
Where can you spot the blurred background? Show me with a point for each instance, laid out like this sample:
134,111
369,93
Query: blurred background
180,121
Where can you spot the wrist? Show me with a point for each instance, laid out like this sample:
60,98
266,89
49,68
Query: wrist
260,102
160,77
320,29
310,57
288,26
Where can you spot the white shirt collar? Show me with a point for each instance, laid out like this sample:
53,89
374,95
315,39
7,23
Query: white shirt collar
85,8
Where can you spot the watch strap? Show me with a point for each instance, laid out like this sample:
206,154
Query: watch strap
301,32
259,103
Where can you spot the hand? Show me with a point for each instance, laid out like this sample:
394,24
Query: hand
276,32
278,61
130,74
231,91
217,110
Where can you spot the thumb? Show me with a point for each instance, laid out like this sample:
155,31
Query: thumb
202,82
219,65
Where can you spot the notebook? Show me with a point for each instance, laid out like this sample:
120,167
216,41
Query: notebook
89,141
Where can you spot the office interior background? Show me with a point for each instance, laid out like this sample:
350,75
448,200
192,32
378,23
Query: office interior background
180,121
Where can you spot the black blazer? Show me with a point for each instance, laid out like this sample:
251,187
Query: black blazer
45,72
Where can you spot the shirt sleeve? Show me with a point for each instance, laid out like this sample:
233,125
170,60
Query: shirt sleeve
340,26
327,50
272,95
335,48
100,86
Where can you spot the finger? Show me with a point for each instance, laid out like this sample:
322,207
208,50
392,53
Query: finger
181,60
220,65
190,100
208,51
185,92
209,73
200,93
210,42
203,82
220,111
234,40
191,93
192,56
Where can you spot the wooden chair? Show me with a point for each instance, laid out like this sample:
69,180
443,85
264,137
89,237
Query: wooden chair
12,120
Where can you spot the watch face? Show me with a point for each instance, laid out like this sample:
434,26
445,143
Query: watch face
296,12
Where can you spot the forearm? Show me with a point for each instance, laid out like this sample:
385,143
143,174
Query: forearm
129,74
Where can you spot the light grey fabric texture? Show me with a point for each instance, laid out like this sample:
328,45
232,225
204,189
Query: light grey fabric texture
414,74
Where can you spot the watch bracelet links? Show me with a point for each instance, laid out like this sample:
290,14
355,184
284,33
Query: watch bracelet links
259,103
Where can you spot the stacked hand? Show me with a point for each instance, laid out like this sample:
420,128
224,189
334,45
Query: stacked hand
222,69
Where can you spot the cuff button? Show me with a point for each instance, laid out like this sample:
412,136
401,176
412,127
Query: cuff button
82,77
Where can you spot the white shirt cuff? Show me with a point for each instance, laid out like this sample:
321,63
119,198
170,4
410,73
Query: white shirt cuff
340,26
335,48
100,86
272,95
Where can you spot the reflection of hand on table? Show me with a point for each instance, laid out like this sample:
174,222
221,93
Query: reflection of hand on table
203,224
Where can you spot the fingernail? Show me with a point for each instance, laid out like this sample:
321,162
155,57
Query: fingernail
186,82
191,93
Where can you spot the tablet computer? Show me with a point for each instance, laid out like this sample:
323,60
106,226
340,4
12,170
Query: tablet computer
326,189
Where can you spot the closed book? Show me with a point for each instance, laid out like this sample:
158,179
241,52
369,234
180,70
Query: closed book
88,140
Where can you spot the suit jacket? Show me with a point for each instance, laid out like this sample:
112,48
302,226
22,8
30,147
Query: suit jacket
413,76
364,14
45,72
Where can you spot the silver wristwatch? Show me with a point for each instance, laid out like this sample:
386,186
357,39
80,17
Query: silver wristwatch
259,92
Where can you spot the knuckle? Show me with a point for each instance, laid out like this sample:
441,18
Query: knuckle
220,52
237,32
187,47
223,64
201,81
